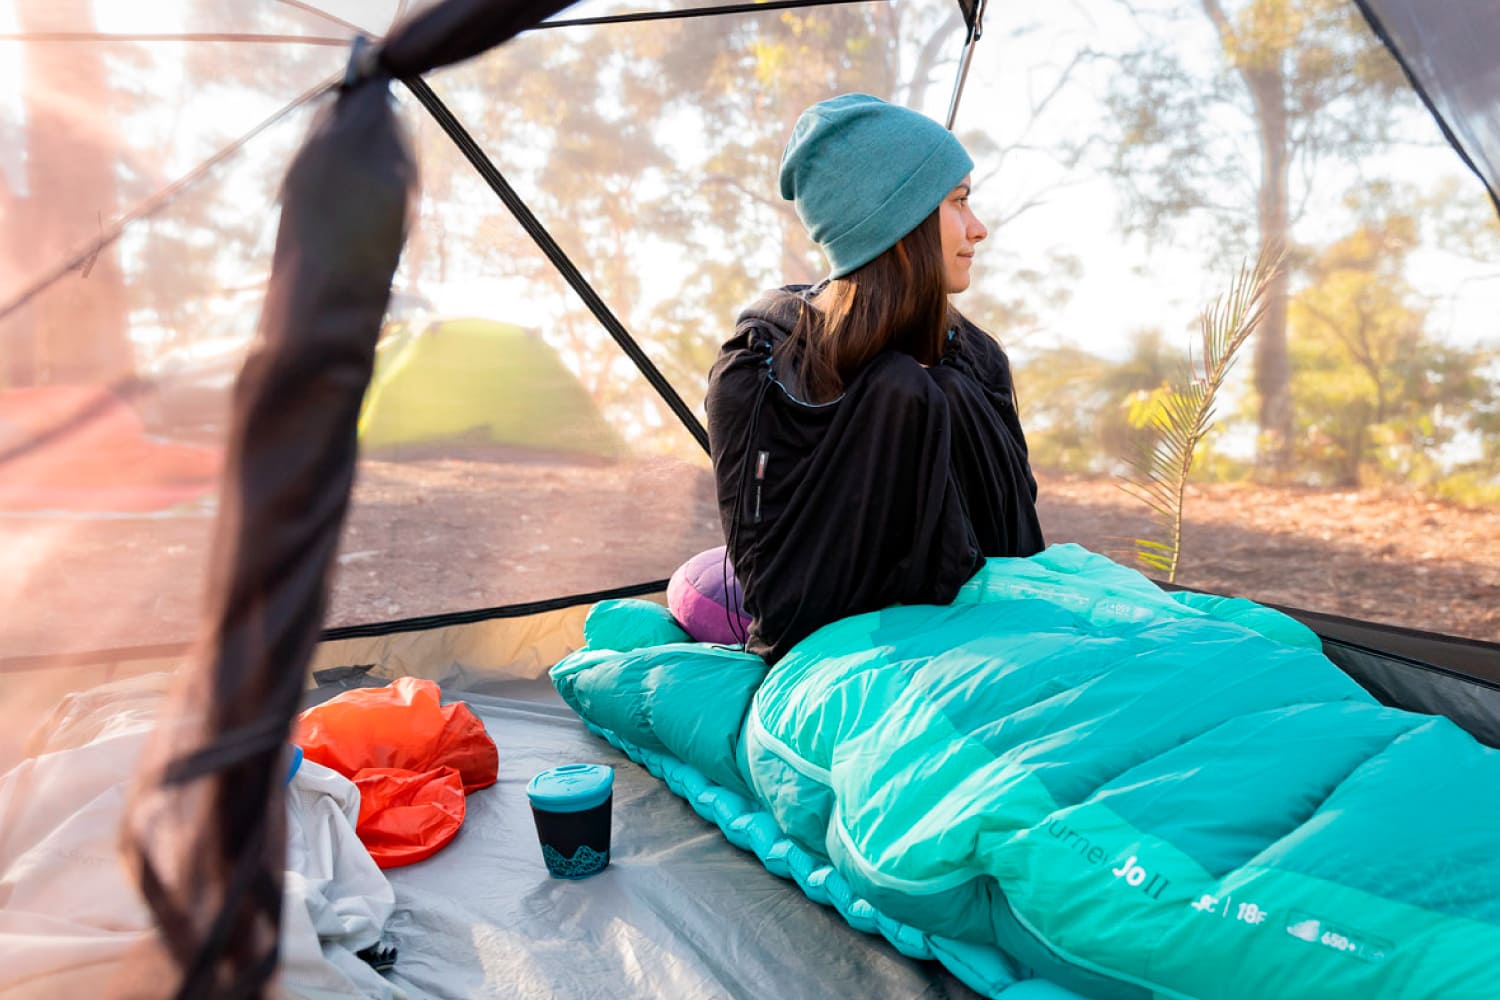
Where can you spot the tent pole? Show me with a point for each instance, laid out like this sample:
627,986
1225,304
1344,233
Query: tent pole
686,13
491,174
963,64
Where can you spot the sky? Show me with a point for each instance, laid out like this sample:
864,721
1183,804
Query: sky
1123,284
1126,285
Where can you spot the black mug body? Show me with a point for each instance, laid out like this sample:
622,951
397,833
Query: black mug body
575,844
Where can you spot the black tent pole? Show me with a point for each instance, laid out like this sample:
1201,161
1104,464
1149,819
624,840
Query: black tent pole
687,13
534,228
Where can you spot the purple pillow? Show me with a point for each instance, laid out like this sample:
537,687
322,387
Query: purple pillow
705,604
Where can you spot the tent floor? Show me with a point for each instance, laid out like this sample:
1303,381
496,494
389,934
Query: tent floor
678,913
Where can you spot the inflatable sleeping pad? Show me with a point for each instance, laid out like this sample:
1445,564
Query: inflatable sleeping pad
1072,775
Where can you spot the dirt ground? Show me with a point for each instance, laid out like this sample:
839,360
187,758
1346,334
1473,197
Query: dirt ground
1401,560
443,535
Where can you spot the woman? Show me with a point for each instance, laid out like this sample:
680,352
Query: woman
864,435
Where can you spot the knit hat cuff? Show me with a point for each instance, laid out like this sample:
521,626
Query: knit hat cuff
903,211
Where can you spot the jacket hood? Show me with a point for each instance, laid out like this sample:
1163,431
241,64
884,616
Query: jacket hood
777,311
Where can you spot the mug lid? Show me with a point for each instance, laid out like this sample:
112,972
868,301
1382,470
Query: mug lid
572,787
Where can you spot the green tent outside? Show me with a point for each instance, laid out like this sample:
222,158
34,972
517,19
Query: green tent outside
481,382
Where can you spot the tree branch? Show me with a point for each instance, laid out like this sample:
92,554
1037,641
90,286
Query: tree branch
1221,22
929,57
729,180
1037,107
1355,346
1035,199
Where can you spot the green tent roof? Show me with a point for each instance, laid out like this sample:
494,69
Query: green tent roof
480,381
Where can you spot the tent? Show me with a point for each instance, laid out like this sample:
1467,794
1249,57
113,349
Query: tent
123,231
487,382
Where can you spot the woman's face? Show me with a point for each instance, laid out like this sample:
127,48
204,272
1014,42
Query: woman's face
961,233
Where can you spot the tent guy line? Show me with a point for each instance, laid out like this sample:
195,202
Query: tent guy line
100,36
686,13
154,204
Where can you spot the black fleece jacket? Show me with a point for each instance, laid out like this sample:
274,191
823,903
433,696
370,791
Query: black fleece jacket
892,493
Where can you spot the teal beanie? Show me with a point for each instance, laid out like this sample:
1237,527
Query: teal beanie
864,173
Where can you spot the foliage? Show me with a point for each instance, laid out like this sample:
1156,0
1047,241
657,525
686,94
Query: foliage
1379,398
1060,392
1075,403
1311,86
1182,414
650,153
1469,489
109,126
1174,151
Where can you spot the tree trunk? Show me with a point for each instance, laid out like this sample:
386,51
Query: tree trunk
75,331
1272,368
1348,478
938,49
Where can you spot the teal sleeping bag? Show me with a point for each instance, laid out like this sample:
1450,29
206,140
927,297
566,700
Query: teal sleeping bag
1129,792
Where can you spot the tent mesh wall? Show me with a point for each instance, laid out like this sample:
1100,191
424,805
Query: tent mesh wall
512,454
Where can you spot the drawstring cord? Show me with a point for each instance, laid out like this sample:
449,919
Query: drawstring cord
734,609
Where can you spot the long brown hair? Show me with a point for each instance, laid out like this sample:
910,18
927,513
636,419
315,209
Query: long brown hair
897,301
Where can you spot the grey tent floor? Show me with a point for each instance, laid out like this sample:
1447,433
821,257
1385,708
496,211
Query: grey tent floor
679,912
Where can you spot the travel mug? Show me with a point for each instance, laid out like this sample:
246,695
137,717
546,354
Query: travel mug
571,806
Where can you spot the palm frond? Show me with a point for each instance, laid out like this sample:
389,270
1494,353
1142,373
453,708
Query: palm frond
1186,413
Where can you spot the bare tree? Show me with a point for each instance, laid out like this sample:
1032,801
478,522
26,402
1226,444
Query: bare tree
76,330
1314,84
